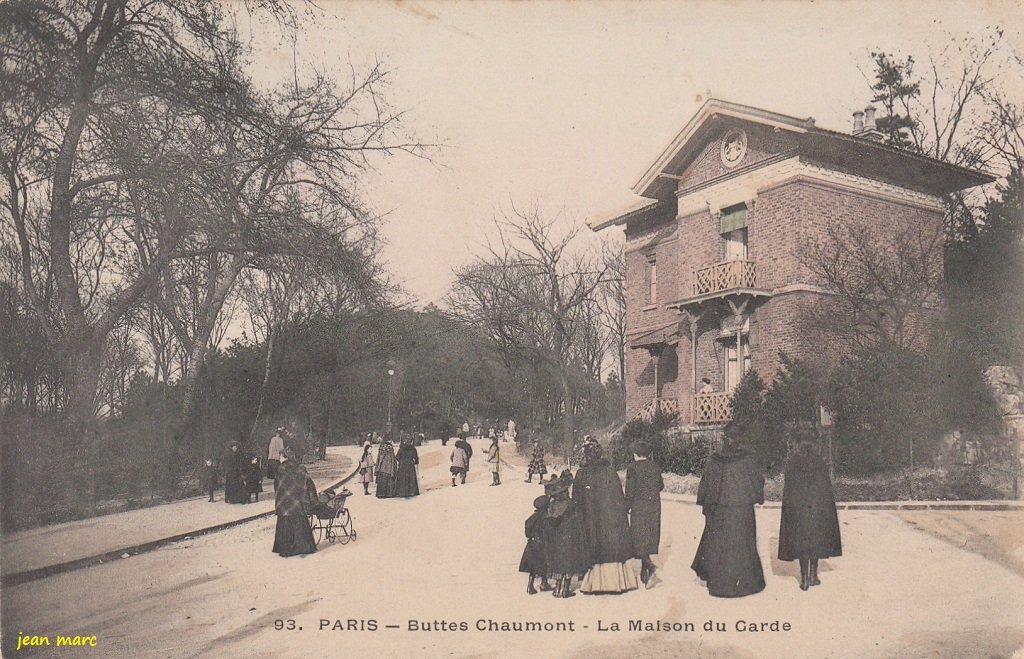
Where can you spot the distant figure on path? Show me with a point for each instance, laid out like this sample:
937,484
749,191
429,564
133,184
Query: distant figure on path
643,498
494,460
510,433
387,467
727,556
597,490
234,475
366,465
460,463
274,454
810,527
536,465
538,536
210,477
293,535
253,479
406,481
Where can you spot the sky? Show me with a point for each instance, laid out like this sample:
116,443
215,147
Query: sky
566,103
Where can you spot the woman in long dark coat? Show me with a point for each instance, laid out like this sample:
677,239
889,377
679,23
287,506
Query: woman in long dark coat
643,498
293,535
727,556
597,490
406,482
387,466
234,476
810,527
567,555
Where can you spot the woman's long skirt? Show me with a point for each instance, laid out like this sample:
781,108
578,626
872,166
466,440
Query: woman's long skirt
727,556
293,536
234,489
385,485
406,484
609,578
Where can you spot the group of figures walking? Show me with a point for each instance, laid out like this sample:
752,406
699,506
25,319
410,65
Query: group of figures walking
395,474
243,476
243,472
732,483
593,531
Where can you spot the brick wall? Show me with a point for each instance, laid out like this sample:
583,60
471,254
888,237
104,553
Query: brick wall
781,225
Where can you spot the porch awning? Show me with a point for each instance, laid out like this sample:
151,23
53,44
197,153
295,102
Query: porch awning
665,336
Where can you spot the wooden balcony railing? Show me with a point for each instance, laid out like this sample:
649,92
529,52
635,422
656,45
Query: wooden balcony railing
724,276
653,406
715,407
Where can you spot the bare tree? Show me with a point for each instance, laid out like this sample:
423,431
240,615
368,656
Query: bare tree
613,303
534,296
885,284
75,74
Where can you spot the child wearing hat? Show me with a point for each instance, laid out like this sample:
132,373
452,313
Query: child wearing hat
535,557
567,549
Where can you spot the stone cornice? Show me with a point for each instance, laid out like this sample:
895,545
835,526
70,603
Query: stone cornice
746,187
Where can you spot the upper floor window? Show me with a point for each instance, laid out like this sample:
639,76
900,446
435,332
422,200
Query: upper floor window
652,279
734,230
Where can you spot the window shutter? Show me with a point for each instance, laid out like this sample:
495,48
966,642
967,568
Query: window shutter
733,218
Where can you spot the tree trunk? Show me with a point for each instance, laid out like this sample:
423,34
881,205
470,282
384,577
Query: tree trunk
271,335
84,362
567,411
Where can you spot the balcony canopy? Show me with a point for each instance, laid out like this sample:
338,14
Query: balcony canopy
665,336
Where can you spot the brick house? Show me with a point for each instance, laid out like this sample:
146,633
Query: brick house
715,282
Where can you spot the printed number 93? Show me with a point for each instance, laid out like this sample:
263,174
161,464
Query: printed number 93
284,624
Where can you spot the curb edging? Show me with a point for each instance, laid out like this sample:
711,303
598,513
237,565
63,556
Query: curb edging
26,576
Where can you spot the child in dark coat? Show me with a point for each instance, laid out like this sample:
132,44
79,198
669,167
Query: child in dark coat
210,477
535,556
253,479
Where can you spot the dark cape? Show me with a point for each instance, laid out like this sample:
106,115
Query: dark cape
406,483
727,556
467,448
568,550
387,466
810,526
643,498
234,478
293,534
597,491
538,534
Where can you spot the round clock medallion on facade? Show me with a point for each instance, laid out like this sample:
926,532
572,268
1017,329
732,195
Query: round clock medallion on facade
734,147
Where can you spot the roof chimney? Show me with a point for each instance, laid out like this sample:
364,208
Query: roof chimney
858,122
869,117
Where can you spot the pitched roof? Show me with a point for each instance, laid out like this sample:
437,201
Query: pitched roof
890,163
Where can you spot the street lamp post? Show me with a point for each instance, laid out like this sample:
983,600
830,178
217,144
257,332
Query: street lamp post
391,378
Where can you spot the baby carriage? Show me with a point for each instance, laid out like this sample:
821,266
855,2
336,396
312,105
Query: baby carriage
328,517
